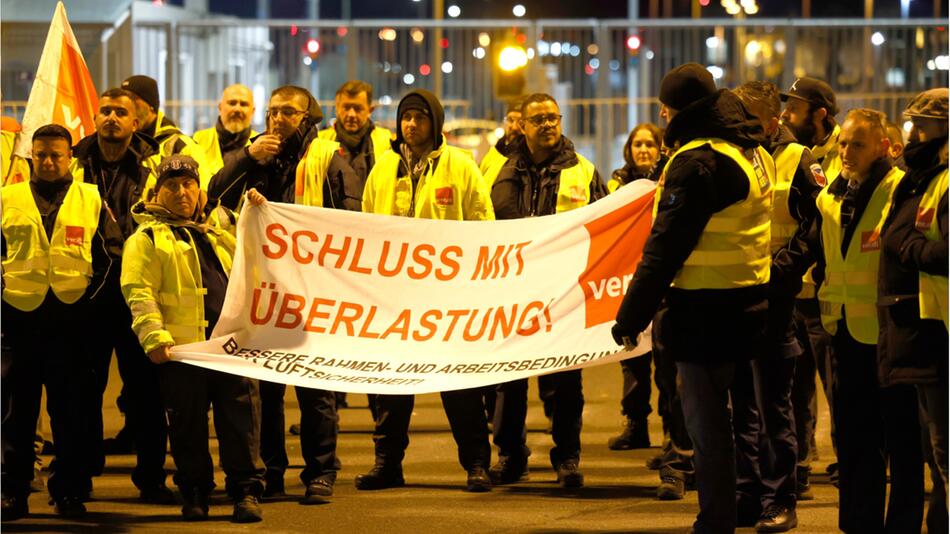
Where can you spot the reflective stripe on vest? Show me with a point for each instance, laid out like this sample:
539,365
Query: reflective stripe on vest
733,250
312,172
933,288
851,280
207,140
784,225
36,263
574,186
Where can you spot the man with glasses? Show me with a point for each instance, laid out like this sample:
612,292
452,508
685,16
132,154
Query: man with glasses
495,159
543,176
289,163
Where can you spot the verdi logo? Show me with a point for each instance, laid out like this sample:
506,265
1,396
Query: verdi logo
616,242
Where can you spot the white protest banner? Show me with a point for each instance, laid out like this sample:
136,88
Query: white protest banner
376,304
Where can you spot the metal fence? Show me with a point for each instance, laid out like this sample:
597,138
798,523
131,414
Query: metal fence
603,86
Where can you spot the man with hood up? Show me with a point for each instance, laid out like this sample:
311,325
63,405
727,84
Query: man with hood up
289,163
708,254
421,176
543,176
174,278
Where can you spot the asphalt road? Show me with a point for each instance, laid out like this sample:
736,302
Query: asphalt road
618,495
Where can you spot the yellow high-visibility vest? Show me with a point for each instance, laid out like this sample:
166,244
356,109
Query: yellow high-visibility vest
829,157
453,189
491,165
380,137
207,140
35,262
784,225
312,172
933,288
850,287
733,250
574,185
161,282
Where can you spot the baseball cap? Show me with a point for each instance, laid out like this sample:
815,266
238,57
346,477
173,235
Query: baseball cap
814,91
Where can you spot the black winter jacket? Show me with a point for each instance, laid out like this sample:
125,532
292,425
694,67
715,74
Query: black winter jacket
523,189
911,350
697,184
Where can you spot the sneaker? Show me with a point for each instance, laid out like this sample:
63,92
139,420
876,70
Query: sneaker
194,505
69,507
777,518
157,495
569,476
508,470
381,477
273,488
634,435
247,510
803,486
478,480
14,508
319,490
672,485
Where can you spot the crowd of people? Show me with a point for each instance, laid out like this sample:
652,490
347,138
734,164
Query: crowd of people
783,245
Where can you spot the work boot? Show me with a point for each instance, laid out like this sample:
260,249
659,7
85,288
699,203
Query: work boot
194,505
247,510
634,435
69,507
478,480
273,487
122,443
157,495
568,475
664,457
777,518
803,486
672,485
381,477
14,508
508,470
319,490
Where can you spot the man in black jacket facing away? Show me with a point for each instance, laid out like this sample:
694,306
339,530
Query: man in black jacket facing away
710,240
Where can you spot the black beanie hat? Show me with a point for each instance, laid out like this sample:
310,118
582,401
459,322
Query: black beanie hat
144,87
413,101
686,84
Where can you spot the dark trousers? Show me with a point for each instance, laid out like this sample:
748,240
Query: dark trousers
874,425
144,414
187,392
41,349
815,359
933,404
319,427
704,394
465,409
766,448
635,402
564,391
669,398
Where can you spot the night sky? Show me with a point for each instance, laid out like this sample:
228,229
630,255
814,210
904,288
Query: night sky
601,9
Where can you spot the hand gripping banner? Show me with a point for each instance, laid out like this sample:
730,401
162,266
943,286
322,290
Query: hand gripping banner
368,303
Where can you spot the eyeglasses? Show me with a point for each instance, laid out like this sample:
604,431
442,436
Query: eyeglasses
287,112
540,120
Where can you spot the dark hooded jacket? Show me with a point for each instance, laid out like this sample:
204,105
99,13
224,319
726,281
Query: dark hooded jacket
277,179
697,184
911,350
525,189
121,184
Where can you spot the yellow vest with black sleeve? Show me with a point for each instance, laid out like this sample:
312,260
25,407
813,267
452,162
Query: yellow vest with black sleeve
733,250
574,185
933,288
850,287
451,187
161,282
784,225
312,172
380,138
207,140
491,165
829,157
35,263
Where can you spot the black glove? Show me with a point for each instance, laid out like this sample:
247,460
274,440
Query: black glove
629,340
